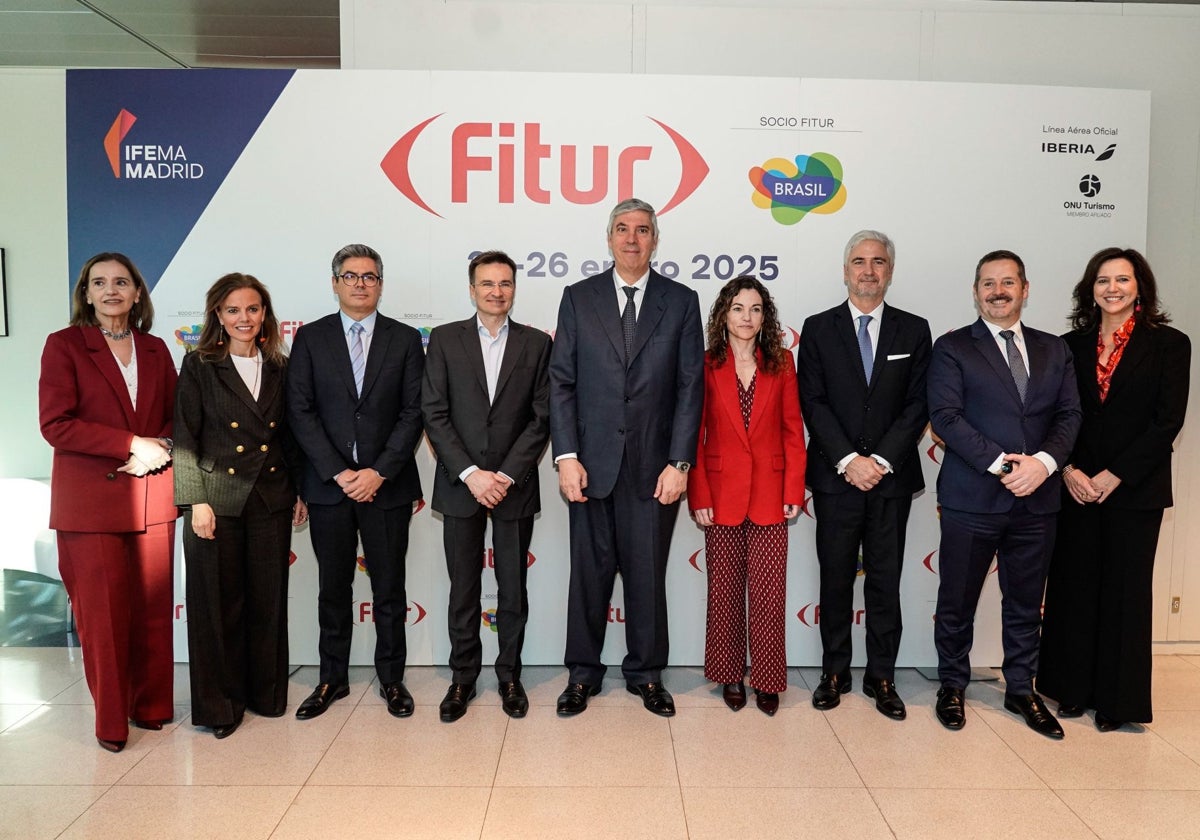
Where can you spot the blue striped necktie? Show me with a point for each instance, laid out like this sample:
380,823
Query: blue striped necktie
358,357
864,345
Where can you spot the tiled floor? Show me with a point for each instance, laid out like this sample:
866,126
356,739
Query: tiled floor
613,772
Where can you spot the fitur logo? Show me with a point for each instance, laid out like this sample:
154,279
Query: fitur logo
791,189
146,161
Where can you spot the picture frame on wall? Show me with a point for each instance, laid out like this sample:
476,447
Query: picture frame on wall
3,298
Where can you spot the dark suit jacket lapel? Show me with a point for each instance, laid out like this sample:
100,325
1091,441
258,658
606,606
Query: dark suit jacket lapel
228,375
339,353
650,312
847,333
380,341
472,353
887,335
268,389
1136,351
604,299
986,344
513,349
109,368
1085,367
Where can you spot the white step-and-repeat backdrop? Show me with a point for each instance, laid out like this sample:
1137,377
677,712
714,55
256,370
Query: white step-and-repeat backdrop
198,173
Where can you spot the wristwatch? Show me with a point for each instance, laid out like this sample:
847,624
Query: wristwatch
682,466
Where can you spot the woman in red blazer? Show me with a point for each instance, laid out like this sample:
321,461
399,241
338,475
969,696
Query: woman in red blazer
747,482
1132,371
106,395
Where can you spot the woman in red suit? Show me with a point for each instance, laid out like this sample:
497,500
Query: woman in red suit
747,482
106,394
1132,371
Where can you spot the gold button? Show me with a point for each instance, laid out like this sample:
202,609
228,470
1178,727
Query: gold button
232,471
271,470
240,448
262,448
271,425
233,425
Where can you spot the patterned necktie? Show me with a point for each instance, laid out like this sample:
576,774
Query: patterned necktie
629,320
1015,363
358,357
864,345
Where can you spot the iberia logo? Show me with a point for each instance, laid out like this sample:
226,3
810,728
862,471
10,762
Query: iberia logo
495,159
813,184
112,140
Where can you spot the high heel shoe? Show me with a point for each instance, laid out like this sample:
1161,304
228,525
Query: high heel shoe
767,701
734,695
111,746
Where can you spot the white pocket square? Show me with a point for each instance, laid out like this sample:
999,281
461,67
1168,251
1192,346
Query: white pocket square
896,356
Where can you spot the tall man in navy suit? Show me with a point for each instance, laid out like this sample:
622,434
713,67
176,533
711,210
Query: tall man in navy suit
626,395
1003,398
354,403
486,404
862,390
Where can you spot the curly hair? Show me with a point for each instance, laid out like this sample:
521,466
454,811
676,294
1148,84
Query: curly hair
770,337
1085,313
269,337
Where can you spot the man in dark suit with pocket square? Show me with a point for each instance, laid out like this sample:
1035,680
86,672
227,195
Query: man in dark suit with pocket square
486,405
354,403
862,390
1003,398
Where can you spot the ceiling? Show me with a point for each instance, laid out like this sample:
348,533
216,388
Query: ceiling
181,33
169,33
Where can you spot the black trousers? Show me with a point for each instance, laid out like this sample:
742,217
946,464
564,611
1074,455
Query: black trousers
1021,543
846,521
237,591
336,530
1097,632
619,533
463,538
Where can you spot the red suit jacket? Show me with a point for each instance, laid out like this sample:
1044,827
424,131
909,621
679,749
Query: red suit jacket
87,416
753,472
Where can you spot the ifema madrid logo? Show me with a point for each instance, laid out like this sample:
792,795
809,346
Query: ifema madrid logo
791,189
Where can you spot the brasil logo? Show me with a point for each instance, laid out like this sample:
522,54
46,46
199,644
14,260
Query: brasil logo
791,190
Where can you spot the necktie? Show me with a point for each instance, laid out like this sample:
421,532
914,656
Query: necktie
358,357
1015,363
629,320
864,345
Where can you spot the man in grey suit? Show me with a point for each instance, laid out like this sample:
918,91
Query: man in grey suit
354,403
626,395
486,404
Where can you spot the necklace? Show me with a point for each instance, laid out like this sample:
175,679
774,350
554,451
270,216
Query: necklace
118,336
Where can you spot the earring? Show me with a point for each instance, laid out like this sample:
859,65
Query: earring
221,338
262,339
1137,306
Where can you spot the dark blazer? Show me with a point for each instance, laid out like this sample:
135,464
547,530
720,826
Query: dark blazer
328,417
226,442
975,409
1131,433
845,413
650,413
507,435
753,472
87,416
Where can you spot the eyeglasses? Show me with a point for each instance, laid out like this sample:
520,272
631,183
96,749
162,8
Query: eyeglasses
351,279
503,285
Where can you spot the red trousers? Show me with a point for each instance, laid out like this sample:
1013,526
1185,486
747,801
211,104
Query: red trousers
734,556
122,593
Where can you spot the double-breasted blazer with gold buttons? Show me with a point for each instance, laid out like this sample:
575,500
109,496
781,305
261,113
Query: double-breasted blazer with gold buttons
227,443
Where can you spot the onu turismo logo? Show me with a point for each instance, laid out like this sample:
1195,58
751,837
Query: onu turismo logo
791,189
146,161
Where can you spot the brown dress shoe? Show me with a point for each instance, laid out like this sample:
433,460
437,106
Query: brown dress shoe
734,695
767,701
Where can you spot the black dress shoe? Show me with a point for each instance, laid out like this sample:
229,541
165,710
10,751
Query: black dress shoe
222,732
1037,716
513,699
574,698
655,697
830,690
1070,710
767,701
950,707
887,701
111,746
399,701
152,725
320,700
454,704
734,695
1107,724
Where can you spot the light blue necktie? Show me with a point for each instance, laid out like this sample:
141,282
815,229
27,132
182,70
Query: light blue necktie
864,345
358,357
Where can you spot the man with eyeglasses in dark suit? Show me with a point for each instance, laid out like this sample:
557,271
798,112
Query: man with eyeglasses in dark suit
354,403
